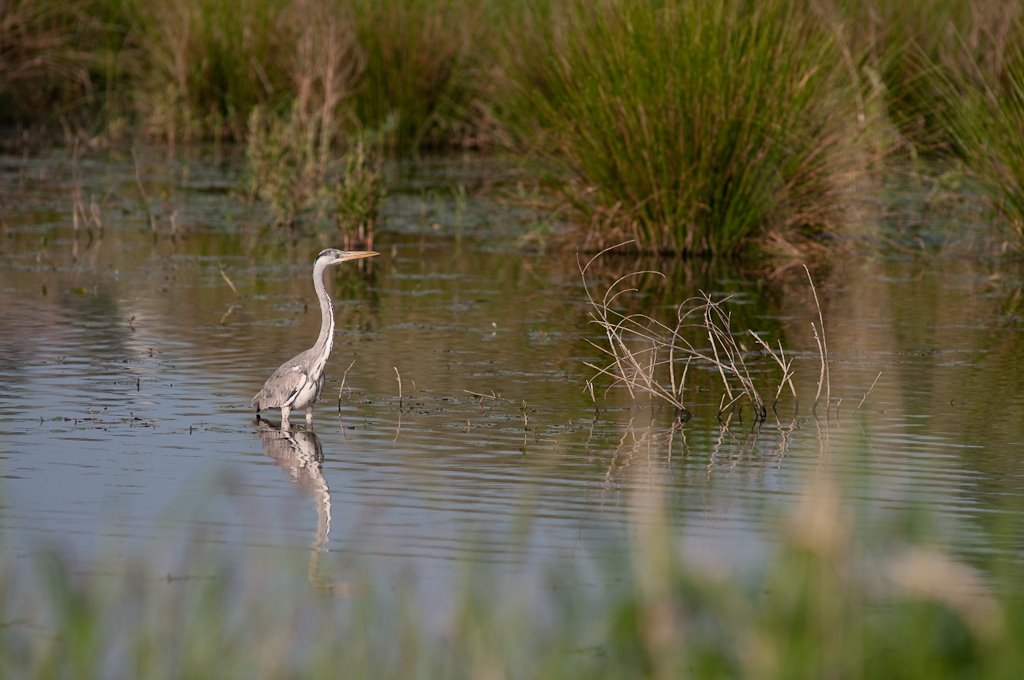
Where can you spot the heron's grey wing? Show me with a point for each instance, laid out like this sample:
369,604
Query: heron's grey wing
281,388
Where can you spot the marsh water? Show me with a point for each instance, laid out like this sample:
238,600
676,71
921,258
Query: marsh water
464,432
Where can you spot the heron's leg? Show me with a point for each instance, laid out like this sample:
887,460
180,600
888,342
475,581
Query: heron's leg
309,415
285,412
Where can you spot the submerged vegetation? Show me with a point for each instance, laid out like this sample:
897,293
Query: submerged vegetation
692,127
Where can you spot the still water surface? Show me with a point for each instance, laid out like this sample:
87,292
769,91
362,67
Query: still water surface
128,358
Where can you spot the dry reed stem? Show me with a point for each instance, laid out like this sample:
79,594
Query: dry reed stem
142,192
79,214
787,370
719,324
228,281
493,396
228,313
640,349
636,369
76,192
865,397
824,376
344,377
821,374
398,377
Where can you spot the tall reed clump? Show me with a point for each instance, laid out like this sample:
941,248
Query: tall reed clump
904,50
693,127
44,63
293,157
985,112
206,64
417,88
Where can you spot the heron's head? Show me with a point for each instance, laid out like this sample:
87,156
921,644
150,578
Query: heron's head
333,256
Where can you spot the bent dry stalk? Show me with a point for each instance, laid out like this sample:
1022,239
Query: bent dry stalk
651,357
344,377
824,379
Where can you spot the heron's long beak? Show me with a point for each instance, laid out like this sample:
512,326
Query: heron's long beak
357,254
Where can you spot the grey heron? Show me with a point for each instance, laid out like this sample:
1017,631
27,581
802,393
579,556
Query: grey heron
297,382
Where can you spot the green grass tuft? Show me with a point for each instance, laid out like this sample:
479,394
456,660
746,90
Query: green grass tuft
906,48
693,127
417,82
294,170
204,65
984,111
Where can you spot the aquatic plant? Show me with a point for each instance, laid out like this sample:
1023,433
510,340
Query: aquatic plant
357,196
295,171
651,357
693,127
277,164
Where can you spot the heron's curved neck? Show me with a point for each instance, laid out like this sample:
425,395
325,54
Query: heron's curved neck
325,340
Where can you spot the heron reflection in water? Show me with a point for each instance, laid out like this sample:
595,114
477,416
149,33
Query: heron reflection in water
300,454
297,383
